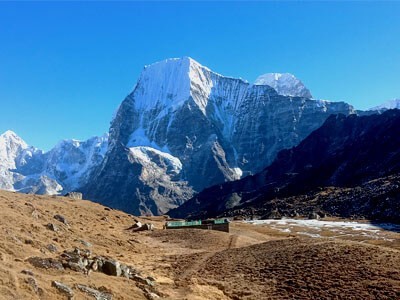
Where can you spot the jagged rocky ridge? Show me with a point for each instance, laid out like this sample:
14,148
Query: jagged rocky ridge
64,168
344,152
184,128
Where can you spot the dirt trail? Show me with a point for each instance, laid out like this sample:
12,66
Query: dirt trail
202,259
233,241
193,268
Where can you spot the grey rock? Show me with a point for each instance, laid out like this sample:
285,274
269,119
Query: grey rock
27,272
111,267
98,264
150,295
77,260
74,195
275,214
63,288
33,284
77,253
125,271
142,280
45,263
77,266
85,243
151,278
52,227
51,248
98,295
62,219
137,225
314,215
148,226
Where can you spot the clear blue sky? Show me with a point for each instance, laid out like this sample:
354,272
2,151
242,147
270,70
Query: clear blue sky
66,66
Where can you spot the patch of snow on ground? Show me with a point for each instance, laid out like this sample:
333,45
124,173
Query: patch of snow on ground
354,228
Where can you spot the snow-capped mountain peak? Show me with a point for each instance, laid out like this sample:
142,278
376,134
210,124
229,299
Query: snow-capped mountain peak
11,146
183,128
169,83
71,161
11,136
285,84
391,104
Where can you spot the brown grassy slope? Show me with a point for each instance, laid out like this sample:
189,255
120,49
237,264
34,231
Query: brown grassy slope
23,220
301,269
252,262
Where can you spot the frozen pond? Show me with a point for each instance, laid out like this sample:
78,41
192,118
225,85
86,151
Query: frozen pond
322,228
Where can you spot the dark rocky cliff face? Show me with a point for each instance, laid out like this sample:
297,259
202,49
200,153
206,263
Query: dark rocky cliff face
345,151
375,200
185,128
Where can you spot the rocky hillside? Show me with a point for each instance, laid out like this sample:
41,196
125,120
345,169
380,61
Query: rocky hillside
185,128
345,151
61,248
377,200
56,248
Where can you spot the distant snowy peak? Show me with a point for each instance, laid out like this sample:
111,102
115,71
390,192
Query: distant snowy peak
64,168
93,142
11,147
285,84
391,104
71,161
11,137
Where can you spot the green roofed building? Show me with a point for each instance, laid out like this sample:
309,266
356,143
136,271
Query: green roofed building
210,224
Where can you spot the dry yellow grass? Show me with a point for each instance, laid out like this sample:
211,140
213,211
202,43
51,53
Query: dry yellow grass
251,262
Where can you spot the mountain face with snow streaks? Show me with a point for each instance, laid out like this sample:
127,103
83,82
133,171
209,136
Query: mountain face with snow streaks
184,128
345,151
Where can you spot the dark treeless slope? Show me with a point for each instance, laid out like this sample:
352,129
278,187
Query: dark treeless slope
377,200
345,151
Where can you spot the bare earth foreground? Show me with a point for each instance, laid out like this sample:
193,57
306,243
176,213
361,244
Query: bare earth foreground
264,261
